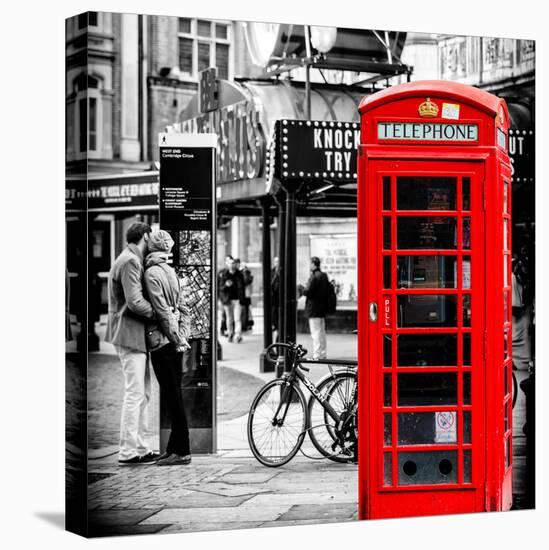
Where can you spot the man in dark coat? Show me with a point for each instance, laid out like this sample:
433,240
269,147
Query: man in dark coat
230,287
316,307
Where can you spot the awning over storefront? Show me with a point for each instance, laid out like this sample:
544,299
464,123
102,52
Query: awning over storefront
113,192
245,115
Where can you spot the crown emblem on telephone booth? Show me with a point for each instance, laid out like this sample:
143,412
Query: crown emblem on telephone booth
428,109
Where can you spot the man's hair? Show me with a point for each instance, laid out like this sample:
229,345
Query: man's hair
316,260
136,231
229,257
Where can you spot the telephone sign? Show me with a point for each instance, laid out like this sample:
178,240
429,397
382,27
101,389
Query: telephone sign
422,131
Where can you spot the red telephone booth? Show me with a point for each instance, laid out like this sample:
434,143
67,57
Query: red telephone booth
434,225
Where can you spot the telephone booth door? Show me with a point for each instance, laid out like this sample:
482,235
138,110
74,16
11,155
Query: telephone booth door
426,337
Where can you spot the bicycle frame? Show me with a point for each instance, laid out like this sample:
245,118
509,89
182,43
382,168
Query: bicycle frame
296,372
317,395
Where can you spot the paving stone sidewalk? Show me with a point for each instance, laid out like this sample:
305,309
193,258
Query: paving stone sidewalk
230,489
218,492
227,490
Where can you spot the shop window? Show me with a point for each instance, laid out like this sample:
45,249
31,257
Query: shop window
203,44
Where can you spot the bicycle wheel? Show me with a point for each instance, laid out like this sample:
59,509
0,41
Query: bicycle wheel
277,423
338,391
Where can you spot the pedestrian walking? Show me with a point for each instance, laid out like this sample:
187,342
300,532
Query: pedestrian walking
230,286
247,279
128,312
317,292
167,339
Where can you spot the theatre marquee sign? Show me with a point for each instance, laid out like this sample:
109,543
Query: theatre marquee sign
316,150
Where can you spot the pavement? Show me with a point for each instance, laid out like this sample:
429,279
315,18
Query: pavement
228,489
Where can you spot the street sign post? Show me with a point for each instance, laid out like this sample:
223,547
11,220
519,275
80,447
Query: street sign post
187,211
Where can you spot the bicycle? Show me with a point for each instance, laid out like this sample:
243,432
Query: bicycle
280,416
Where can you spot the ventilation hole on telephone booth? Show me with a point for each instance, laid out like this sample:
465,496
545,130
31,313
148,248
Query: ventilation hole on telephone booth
409,467
445,467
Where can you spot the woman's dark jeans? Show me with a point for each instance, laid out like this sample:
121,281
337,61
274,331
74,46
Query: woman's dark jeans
167,364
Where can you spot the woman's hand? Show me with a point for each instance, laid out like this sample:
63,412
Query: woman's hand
183,346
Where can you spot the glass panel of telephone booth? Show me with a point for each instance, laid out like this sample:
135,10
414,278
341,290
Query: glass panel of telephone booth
466,193
426,232
425,468
421,193
387,429
386,233
431,350
426,272
387,350
467,467
388,469
427,428
418,389
466,388
387,397
427,310
387,262
386,193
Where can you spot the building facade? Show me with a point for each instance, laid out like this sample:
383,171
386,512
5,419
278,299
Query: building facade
131,76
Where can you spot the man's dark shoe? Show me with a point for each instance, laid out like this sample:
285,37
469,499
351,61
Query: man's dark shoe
163,456
137,460
174,460
150,457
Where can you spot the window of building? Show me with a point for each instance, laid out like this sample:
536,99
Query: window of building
87,106
92,121
83,125
203,44
88,19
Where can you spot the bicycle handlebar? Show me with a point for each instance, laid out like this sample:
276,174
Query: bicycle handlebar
272,355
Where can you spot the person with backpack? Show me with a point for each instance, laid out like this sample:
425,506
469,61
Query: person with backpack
320,294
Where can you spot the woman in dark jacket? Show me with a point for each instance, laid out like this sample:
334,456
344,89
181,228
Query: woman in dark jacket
167,339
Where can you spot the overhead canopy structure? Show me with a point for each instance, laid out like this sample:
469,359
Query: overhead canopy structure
246,118
281,47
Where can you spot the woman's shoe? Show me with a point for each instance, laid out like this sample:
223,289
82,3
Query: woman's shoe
174,460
